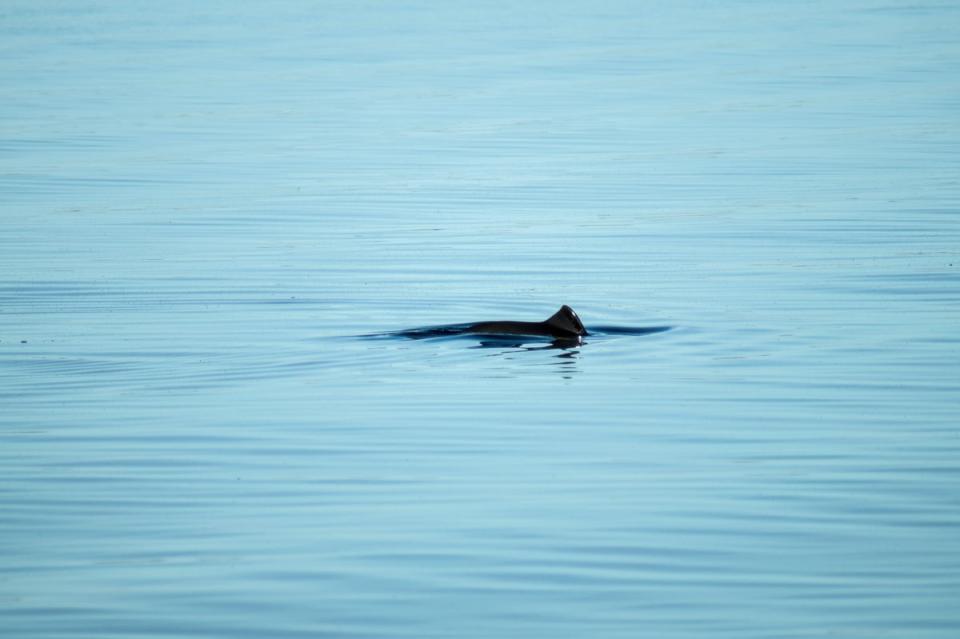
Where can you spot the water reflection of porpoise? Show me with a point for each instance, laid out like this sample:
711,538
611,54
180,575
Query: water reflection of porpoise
562,325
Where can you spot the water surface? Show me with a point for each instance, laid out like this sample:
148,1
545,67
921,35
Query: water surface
204,206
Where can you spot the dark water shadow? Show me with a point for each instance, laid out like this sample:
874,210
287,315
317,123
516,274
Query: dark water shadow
628,330
563,352
524,343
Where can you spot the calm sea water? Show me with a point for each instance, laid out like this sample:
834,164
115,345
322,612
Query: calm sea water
203,204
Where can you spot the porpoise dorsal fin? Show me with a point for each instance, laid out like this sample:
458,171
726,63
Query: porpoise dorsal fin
566,321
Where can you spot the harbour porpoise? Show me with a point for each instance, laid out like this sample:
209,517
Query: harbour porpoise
562,325
564,329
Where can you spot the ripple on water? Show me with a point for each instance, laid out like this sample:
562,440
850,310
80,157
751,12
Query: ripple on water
202,213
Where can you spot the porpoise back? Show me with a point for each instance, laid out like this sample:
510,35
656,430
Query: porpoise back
563,324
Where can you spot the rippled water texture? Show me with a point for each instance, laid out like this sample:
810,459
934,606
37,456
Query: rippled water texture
204,205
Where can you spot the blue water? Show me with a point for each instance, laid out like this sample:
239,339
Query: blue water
202,205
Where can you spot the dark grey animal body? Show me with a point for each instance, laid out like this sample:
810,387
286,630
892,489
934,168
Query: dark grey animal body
562,325
563,329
